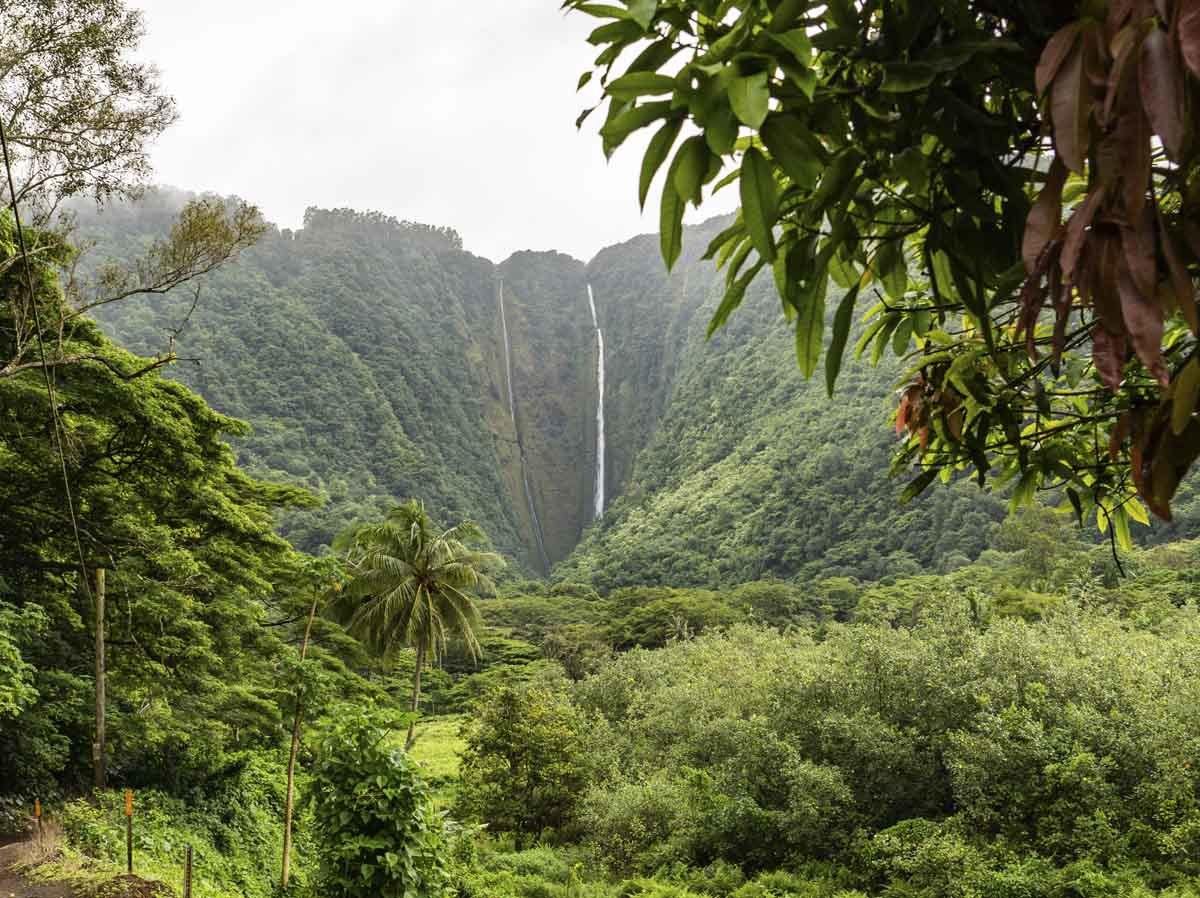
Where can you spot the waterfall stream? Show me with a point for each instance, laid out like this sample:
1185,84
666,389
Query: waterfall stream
512,411
599,494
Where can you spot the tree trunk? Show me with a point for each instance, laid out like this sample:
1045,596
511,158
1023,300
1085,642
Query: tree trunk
416,698
98,770
289,803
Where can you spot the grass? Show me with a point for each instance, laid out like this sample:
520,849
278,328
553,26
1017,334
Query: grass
438,750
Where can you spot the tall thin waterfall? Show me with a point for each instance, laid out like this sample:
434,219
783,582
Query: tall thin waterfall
599,494
512,411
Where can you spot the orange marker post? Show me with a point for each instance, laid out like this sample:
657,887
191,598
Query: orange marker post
129,830
37,815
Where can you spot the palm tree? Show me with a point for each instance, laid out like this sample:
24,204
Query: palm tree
413,585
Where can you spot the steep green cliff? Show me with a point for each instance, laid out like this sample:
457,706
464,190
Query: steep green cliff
370,357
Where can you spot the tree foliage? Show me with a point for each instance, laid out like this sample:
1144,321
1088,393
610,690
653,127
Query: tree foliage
80,109
897,149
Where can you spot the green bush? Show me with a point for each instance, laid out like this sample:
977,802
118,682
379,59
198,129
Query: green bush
526,762
377,831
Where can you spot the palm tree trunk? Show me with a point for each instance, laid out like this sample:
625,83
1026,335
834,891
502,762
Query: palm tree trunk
289,803
416,698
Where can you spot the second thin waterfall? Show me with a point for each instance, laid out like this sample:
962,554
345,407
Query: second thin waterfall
599,493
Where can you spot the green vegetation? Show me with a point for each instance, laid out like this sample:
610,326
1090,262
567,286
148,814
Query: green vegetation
412,585
926,154
759,675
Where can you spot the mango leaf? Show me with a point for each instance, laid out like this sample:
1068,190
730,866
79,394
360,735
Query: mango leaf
760,201
656,154
1070,108
797,43
1054,54
1162,90
620,126
670,219
906,77
842,320
749,96
890,268
918,485
642,11
1189,35
795,149
810,319
689,168
1186,393
1045,217
637,84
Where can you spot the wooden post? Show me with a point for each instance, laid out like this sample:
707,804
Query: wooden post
37,815
98,766
187,873
289,801
129,831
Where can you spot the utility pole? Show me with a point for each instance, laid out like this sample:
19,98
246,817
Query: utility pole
98,745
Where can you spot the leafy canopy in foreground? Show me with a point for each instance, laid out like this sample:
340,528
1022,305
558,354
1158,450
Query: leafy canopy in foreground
925,153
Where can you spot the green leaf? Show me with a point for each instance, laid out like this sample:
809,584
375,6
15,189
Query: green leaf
918,485
795,149
749,98
890,268
905,77
584,79
1186,392
810,321
639,84
625,123
656,154
760,201
689,169
642,11
842,320
797,43
670,223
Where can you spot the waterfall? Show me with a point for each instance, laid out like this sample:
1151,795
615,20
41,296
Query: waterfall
512,411
599,494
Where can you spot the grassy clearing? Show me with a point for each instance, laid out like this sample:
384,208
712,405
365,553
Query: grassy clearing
438,749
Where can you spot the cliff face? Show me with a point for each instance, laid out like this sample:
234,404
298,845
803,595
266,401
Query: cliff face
370,356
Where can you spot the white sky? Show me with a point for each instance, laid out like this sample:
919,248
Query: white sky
447,112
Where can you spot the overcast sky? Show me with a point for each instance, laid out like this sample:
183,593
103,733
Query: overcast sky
447,112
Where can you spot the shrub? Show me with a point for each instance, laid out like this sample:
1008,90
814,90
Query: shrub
376,828
526,762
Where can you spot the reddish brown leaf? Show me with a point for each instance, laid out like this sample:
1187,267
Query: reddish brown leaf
1161,83
1118,12
1172,459
1045,217
1124,48
1120,433
1188,24
1144,322
1062,317
1054,54
1134,134
1181,282
1070,106
1108,355
1137,242
1077,231
1103,295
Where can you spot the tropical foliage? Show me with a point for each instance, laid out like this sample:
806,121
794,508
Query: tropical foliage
896,149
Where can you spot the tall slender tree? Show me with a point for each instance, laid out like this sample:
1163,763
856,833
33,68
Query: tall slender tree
413,585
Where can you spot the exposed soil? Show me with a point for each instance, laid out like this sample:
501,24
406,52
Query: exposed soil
14,885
